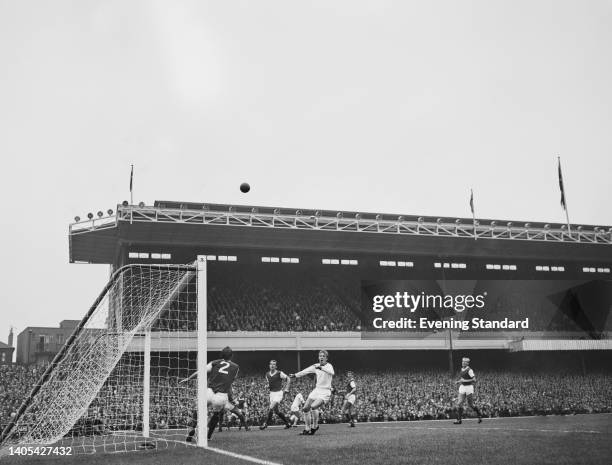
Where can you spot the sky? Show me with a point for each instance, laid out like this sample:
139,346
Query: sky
380,106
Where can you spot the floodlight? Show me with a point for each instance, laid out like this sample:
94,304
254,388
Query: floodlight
90,215
77,219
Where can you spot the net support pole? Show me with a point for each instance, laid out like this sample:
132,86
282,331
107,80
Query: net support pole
146,382
202,378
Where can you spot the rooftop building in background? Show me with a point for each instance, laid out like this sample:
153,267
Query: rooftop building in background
39,345
6,353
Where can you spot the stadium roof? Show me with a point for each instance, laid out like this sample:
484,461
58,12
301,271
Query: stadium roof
169,223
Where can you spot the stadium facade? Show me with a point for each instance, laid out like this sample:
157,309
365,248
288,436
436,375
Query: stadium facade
270,245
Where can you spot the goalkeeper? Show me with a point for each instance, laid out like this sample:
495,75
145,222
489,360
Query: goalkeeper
221,375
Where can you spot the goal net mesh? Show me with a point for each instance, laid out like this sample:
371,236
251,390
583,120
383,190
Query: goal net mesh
119,382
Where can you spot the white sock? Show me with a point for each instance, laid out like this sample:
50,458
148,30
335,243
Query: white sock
307,420
315,418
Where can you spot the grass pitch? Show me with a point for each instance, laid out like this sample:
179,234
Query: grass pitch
558,440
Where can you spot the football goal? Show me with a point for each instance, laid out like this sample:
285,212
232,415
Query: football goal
119,383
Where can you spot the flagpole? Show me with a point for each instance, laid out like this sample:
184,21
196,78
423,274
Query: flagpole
131,182
569,228
564,198
473,214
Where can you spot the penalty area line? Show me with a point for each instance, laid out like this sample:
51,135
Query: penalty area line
247,458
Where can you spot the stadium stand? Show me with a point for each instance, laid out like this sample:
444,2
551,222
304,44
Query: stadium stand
251,302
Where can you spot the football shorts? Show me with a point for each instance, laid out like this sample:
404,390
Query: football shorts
218,401
351,399
276,397
320,394
466,389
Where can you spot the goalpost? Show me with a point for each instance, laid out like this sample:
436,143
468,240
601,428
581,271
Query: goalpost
120,382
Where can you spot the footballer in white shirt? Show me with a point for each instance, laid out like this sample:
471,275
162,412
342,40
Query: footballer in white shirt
320,395
296,407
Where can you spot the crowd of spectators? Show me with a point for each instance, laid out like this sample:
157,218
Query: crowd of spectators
287,306
429,394
15,383
381,396
284,303
251,304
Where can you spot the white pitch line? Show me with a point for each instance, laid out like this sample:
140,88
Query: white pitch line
487,428
518,417
248,458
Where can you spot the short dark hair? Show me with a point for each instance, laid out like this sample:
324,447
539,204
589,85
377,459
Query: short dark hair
227,353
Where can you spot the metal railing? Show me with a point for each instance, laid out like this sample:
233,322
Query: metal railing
355,223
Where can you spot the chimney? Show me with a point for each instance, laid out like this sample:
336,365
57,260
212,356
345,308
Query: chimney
10,338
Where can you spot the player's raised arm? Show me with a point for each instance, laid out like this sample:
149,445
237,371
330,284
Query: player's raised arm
311,370
195,373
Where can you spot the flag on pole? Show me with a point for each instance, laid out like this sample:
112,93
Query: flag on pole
563,197
473,214
563,204
132,185
472,201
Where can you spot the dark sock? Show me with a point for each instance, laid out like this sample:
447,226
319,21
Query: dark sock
269,420
240,416
212,424
459,413
282,417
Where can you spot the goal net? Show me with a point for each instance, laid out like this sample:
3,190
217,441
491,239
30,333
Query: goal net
120,381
